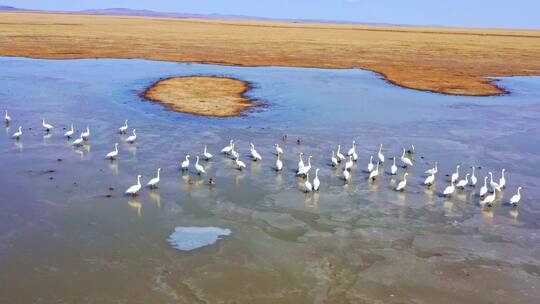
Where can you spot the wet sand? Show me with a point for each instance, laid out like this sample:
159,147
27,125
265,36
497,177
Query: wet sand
202,95
444,60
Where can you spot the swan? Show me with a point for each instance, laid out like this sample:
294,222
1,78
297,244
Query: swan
123,129
254,154
349,163
185,164
403,183
373,174
279,163
207,155
484,188
78,141
7,118
514,200
346,175
455,175
474,180
352,150
339,155
370,164
86,133
278,149
334,159
132,138
227,149
113,154
489,199
502,180
17,134
46,126
234,154
69,133
307,184
405,160
199,168
239,164
393,169
316,181
306,168
434,170
301,161
494,185
449,190
430,179
154,181
135,188
380,154
462,183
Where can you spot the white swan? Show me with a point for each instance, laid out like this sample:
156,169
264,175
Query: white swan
489,199
405,160
514,200
207,155
346,175
306,168
339,155
234,154
449,190
494,185
307,184
70,132
185,164
502,180
434,170
78,141
123,129
316,181
370,164
393,169
46,126
334,159
227,149
278,149
349,163
200,169
474,180
462,183
279,163
301,161
239,164
373,174
154,181
254,154
86,133
430,179
352,149
484,188
7,118
132,138
135,188
113,154
17,134
403,183
455,175
380,154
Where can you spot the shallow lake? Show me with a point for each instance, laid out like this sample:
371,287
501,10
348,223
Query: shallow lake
69,235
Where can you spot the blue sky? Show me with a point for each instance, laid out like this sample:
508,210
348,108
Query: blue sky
461,13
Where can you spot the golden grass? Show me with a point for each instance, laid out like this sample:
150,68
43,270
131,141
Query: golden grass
201,95
443,60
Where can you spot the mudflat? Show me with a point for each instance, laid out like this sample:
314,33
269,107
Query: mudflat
444,60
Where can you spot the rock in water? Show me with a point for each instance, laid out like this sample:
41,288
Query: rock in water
190,238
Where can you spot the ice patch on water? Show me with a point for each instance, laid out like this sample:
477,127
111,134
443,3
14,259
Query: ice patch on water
190,238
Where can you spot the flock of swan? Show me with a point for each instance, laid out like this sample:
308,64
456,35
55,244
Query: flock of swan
487,192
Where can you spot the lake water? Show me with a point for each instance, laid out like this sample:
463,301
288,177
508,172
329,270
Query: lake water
69,235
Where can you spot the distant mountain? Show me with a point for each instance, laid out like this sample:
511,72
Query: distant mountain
11,8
